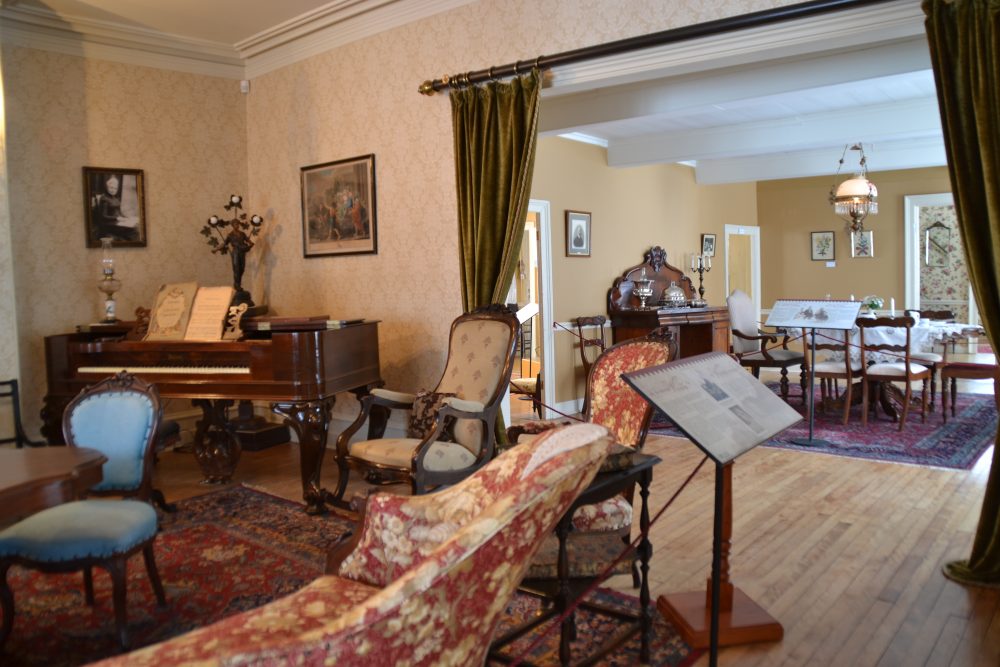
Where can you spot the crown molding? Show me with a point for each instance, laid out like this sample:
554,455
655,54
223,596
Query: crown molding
878,23
43,29
333,25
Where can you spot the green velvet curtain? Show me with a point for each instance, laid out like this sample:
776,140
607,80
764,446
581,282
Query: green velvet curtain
495,126
964,37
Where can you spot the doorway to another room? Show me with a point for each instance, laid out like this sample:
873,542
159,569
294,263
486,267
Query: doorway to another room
530,294
741,244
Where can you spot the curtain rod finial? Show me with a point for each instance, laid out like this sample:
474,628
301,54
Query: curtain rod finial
426,88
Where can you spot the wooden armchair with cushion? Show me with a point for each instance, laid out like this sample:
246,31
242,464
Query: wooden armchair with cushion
618,408
452,427
751,345
838,366
425,580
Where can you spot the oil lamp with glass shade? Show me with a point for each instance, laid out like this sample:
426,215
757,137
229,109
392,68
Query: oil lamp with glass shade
108,284
857,197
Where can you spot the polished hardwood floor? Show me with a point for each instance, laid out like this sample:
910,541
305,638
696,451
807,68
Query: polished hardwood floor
845,553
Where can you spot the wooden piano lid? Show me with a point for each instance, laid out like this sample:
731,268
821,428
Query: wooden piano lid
620,296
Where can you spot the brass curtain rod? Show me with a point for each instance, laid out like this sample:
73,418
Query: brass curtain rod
671,36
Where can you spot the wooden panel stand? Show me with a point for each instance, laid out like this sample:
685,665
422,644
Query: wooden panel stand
741,620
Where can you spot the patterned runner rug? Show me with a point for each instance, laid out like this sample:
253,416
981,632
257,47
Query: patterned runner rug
957,444
222,553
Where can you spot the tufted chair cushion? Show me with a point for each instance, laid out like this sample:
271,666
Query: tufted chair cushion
614,404
741,318
476,355
117,424
81,529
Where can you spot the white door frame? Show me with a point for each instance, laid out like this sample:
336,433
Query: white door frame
544,211
753,232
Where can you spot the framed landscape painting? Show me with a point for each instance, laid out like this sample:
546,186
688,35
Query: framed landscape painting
338,208
823,246
114,206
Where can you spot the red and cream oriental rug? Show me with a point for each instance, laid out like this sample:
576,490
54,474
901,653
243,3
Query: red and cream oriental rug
957,444
222,553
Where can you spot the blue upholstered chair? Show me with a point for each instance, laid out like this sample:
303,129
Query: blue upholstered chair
118,416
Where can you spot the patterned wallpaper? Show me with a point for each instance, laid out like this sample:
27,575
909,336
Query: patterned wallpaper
187,132
944,287
362,98
8,320
198,140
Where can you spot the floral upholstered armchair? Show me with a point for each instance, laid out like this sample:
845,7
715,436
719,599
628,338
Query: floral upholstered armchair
617,407
451,431
424,581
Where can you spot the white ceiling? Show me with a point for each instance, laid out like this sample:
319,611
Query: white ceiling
775,102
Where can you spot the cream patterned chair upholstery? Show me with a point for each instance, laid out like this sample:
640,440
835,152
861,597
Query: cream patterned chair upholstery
425,580
453,425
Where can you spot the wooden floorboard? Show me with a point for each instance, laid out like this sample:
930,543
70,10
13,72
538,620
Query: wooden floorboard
845,553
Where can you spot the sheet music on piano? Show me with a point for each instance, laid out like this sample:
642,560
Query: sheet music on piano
722,408
208,315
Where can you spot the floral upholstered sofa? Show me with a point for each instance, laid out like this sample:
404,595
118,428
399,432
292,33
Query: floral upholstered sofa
426,579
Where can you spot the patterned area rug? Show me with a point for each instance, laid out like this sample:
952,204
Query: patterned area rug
220,554
957,444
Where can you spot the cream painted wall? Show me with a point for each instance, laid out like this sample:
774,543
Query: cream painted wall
187,132
789,210
631,210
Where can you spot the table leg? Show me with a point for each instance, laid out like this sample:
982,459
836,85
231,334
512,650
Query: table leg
645,552
311,422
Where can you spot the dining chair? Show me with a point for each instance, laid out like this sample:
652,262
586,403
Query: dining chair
591,347
836,366
117,416
964,370
751,345
889,350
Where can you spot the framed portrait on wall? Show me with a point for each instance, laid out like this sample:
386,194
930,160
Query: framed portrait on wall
338,208
577,234
114,206
862,244
708,245
823,246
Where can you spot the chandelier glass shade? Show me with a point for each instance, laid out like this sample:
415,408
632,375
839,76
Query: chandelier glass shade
857,197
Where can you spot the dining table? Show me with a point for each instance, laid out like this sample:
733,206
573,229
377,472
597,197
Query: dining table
925,335
34,478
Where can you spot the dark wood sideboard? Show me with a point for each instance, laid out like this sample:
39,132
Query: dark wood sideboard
695,330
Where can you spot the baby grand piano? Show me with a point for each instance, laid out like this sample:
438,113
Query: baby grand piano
298,372
694,330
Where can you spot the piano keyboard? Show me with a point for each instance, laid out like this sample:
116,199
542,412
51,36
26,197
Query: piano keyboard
167,370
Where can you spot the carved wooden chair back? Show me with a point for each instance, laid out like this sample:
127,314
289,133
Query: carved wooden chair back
9,389
742,318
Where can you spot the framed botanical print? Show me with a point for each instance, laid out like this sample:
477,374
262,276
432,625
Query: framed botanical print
823,246
862,244
114,206
338,208
577,234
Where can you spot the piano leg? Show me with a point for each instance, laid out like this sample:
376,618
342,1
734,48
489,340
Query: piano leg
52,416
311,422
216,447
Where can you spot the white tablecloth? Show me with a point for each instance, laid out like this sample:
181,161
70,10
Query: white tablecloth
924,337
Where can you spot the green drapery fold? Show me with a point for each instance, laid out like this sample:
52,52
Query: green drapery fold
964,37
495,128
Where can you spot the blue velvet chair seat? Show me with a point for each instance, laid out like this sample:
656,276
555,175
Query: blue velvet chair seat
80,530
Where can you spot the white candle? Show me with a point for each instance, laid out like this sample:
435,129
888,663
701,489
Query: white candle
694,261
708,262
892,306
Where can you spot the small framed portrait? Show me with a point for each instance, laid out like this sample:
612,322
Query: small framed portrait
708,244
577,234
823,246
114,206
338,208
862,244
